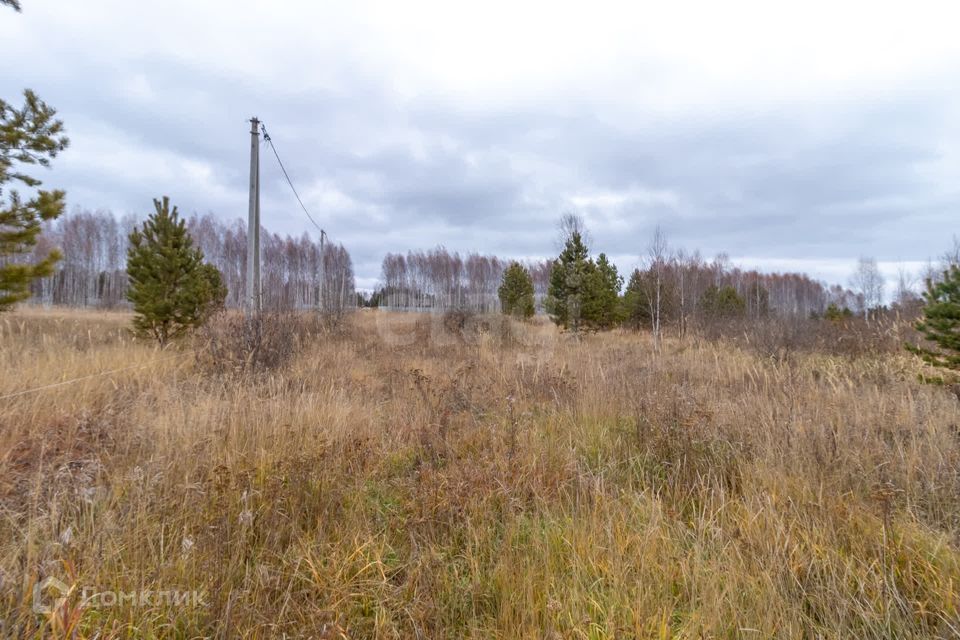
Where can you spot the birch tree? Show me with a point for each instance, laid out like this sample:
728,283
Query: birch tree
657,257
867,282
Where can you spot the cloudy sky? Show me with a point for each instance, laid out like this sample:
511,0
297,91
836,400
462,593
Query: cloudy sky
788,135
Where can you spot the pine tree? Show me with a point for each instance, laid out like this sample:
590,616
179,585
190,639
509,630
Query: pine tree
635,304
171,288
722,303
602,294
29,135
940,324
568,283
516,292
836,314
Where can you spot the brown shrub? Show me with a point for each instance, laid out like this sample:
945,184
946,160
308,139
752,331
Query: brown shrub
234,344
776,337
455,320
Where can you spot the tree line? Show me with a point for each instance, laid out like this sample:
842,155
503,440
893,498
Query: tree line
585,293
296,272
668,286
440,280
676,288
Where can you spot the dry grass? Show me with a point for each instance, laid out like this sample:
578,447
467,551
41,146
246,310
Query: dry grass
394,481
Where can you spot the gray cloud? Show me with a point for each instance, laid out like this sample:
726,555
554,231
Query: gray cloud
825,177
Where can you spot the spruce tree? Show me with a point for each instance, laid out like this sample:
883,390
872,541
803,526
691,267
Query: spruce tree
940,324
568,283
29,135
171,288
516,292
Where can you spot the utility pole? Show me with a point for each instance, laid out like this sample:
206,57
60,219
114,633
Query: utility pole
254,299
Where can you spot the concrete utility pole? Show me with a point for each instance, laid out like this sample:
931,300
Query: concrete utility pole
254,299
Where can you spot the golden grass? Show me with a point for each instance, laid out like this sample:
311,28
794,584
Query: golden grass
393,481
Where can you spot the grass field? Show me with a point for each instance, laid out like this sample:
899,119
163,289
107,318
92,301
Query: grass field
397,480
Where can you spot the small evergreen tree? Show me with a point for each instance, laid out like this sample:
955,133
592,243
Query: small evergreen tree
171,288
602,294
29,135
836,314
568,283
940,324
722,303
516,292
635,304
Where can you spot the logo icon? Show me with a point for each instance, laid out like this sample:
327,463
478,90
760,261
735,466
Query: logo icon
55,588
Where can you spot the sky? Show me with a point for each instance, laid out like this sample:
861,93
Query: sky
789,135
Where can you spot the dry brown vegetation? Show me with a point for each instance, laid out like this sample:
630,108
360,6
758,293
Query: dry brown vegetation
397,478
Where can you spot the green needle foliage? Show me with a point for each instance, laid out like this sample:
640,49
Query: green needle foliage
516,292
30,135
601,308
835,314
635,304
171,288
583,294
722,303
940,324
568,283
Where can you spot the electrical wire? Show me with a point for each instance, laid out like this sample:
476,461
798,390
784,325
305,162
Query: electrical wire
91,376
267,138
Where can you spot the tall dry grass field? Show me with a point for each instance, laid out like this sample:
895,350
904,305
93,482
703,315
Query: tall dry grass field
396,478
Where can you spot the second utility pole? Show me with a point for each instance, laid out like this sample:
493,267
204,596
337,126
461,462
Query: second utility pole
254,300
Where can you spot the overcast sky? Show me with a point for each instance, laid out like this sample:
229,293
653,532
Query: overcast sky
795,137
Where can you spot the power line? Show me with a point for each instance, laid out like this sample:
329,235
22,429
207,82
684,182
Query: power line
267,138
91,376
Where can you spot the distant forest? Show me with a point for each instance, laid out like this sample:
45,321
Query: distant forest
298,275
440,279
92,273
